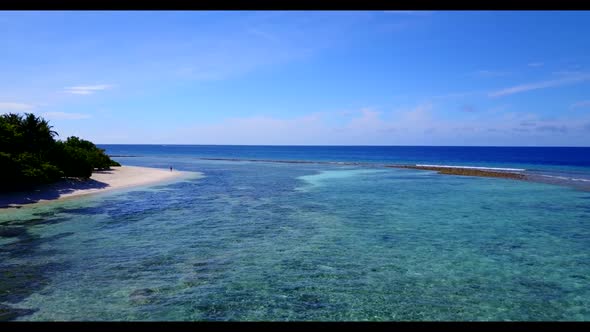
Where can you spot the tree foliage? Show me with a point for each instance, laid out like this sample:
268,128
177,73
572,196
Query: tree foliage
30,155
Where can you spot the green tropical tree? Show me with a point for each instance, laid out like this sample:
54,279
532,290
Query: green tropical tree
30,155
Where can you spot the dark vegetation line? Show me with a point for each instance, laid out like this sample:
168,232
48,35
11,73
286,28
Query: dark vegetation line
30,155
466,171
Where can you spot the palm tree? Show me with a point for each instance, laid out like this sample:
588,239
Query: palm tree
37,133
10,132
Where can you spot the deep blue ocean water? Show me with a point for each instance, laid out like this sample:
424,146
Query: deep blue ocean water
561,165
489,156
265,241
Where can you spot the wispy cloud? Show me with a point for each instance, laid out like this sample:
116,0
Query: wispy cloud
16,107
456,95
536,64
468,109
263,34
419,116
527,124
261,40
87,89
568,72
580,104
498,109
410,12
490,73
423,124
552,129
540,85
368,118
66,116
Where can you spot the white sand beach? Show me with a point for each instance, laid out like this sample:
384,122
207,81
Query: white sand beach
100,181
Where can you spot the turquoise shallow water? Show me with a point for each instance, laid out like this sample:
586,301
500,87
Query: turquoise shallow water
267,241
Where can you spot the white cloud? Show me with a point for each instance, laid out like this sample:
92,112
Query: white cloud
65,116
580,104
367,119
456,95
255,130
423,124
409,12
491,73
419,116
568,72
263,34
540,85
17,107
87,89
80,92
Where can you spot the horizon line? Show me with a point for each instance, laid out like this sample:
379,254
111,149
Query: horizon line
343,145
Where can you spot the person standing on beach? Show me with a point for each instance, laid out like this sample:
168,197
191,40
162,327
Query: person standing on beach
170,168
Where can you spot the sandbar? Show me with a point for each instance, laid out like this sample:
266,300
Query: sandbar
100,181
467,171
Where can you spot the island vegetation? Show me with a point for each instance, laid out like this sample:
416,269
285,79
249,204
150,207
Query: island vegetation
30,154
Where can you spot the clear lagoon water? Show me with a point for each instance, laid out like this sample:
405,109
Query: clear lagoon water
267,241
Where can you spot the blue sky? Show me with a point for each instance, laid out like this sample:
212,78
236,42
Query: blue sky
297,77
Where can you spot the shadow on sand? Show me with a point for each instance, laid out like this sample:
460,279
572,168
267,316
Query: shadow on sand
51,191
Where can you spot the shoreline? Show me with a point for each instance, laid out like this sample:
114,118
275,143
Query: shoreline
101,181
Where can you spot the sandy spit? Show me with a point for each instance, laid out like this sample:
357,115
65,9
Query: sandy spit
100,181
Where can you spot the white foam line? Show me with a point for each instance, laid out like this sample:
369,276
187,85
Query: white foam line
555,177
565,178
474,167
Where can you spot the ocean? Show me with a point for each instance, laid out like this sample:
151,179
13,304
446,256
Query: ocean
308,233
